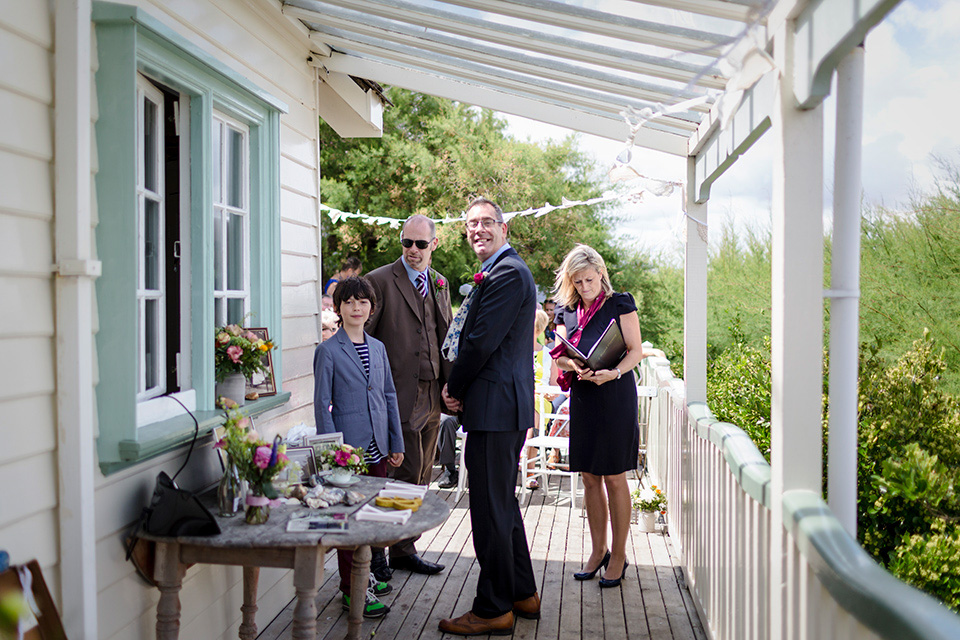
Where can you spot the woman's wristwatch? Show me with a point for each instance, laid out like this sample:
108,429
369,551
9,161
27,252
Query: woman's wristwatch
618,373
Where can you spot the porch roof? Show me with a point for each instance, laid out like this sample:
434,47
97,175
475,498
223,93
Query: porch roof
599,71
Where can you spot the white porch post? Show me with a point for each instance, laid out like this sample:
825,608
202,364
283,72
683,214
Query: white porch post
695,293
845,294
797,300
76,272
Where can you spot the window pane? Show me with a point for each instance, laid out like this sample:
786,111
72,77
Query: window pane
220,312
235,310
234,168
150,145
151,245
151,341
235,255
218,249
217,160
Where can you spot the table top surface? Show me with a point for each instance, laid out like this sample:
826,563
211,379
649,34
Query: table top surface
235,533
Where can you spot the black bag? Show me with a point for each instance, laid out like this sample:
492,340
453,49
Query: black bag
176,512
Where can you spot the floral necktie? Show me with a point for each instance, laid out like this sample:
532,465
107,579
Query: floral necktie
451,343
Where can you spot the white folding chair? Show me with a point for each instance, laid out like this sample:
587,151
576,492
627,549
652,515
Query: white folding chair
544,444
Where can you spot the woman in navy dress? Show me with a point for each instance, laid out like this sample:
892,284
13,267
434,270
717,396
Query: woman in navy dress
604,431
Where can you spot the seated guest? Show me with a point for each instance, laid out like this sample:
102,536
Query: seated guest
447,450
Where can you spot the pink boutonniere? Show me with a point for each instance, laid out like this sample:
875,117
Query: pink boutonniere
440,283
478,277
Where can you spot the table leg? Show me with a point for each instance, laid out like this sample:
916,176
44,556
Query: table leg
169,574
248,626
307,574
359,579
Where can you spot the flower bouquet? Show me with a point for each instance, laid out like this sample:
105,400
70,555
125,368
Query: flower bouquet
344,460
238,355
255,460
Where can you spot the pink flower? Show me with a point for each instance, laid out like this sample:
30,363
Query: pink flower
478,277
233,329
243,423
223,337
342,458
221,444
234,352
346,447
251,336
441,283
354,458
253,436
261,458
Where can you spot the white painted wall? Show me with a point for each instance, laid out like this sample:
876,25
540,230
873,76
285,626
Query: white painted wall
254,39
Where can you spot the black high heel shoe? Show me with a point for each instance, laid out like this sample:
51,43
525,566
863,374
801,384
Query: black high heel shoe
606,584
588,575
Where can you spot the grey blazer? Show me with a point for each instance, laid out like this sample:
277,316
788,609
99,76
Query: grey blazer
346,400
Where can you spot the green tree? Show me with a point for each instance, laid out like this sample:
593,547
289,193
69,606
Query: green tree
434,157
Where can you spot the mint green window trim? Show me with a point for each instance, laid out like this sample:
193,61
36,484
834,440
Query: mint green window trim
130,41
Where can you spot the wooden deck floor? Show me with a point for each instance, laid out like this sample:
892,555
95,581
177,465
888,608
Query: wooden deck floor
652,603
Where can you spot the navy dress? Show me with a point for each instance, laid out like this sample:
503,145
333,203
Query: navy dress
604,429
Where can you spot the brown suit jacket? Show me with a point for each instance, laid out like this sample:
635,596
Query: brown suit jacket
395,321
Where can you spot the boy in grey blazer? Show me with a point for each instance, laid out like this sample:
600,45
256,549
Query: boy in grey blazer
354,394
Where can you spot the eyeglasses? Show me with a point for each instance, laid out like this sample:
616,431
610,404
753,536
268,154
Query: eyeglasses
421,244
488,223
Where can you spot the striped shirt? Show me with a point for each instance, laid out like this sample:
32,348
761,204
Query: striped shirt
372,455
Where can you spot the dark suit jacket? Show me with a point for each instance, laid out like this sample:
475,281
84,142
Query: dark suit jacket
361,406
395,322
493,373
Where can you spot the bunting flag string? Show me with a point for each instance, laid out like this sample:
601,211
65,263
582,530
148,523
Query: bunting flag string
650,185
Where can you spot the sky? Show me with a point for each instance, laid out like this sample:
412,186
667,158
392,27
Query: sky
911,86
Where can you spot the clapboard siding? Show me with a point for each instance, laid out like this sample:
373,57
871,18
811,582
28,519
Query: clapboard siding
298,363
32,20
39,473
297,270
30,76
29,431
31,537
31,313
34,373
298,239
26,246
253,39
298,207
26,185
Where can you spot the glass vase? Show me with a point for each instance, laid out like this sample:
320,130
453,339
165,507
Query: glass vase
230,491
258,506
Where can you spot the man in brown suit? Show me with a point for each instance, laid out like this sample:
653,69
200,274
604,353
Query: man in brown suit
411,318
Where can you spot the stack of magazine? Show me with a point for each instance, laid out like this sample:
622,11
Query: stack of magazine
606,353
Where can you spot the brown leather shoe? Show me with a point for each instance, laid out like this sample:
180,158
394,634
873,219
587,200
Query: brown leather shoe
528,608
471,625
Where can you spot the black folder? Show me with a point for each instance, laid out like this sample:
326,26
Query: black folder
606,353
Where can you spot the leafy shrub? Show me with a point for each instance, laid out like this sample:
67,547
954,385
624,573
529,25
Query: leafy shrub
738,390
932,563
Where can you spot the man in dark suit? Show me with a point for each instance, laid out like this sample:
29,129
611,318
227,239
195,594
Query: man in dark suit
491,385
411,319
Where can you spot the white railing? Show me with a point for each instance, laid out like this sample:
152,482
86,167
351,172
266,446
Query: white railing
719,519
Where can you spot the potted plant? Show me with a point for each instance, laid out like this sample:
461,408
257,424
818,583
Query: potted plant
255,460
649,502
238,355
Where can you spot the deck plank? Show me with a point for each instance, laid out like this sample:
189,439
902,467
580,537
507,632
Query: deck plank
651,603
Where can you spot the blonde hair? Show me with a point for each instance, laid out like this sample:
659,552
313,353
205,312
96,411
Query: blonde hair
580,257
540,322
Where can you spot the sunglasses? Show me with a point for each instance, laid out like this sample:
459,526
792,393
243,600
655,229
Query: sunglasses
421,244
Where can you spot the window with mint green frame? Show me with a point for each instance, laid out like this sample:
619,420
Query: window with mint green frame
130,42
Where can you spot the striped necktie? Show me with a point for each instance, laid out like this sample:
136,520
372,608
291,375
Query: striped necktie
422,284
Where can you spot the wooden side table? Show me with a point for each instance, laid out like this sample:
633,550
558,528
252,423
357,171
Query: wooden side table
269,545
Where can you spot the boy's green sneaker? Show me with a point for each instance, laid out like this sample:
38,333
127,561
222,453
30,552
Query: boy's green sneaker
378,588
372,607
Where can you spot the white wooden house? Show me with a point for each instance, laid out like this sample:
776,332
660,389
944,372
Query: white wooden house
159,168
159,176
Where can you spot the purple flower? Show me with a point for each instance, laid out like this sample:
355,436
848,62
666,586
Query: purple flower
261,458
273,452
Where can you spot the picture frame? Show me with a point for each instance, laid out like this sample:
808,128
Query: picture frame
263,384
304,456
321,442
